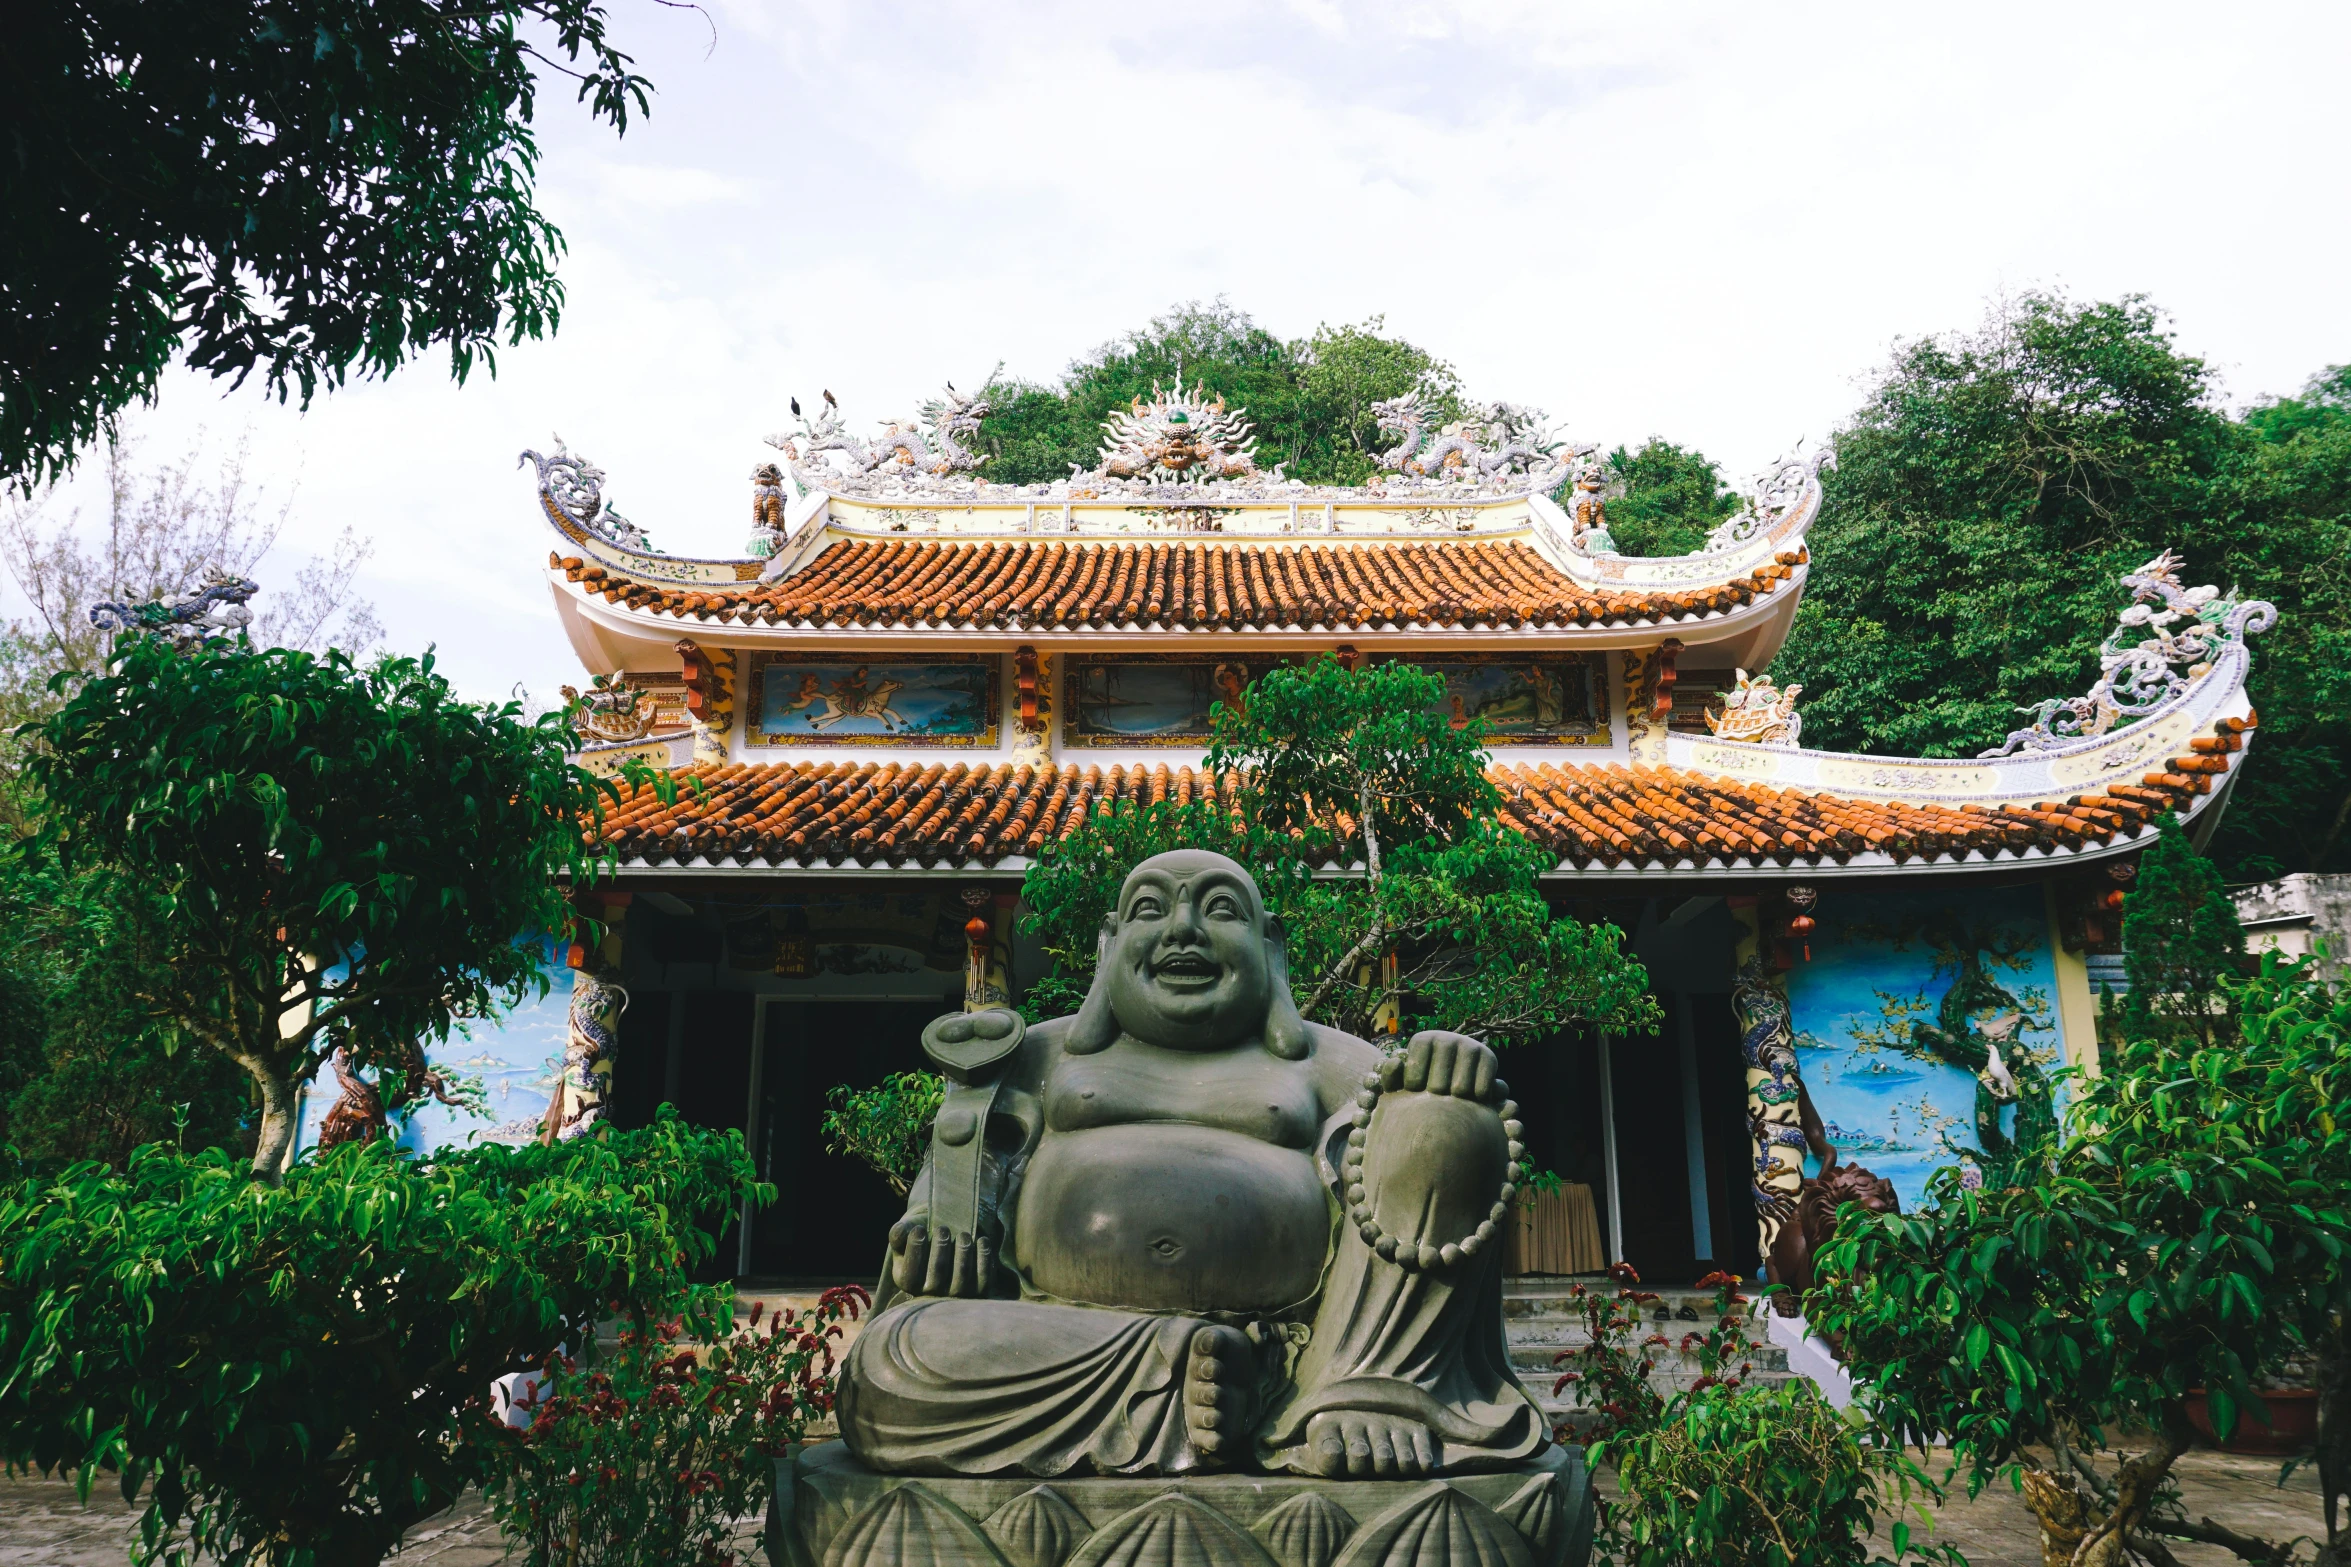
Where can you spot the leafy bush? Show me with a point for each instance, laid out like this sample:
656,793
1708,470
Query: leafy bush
1763,1476
86,1071
887,1125
1609,1372
648,1456
2192,1234
1724,1474
296,1374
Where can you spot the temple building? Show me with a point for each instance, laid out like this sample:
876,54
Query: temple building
912,678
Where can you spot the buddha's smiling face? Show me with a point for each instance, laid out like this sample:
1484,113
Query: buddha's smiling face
1187,963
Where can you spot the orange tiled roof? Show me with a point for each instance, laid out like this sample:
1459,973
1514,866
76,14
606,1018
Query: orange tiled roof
1058,585
1602,815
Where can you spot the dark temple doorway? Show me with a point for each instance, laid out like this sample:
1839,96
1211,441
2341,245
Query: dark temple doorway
832,1214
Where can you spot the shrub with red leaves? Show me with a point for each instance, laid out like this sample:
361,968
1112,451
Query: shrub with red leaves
645,1456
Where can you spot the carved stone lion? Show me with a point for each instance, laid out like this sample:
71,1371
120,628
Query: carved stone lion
1793,1250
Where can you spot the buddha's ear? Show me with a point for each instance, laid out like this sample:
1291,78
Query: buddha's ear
1096,1026
1285,1030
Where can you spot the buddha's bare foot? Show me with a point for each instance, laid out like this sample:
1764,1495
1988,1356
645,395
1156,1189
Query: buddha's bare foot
1220,1390
1362,1444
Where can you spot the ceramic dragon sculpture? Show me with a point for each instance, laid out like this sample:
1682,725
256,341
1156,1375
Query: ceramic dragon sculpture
1758,712
574,487
931,443
1512,439
1780,1117
218,607
2149,659
589,1050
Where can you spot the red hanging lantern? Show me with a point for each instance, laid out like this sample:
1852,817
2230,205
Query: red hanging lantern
1800,928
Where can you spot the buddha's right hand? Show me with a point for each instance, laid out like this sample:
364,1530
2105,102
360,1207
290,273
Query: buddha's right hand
931,1259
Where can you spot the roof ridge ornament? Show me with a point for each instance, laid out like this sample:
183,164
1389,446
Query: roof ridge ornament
2145,663
927,445
574,486
190,616
1770,496
1488,440
1186,438
1170,447
612,711
1757,712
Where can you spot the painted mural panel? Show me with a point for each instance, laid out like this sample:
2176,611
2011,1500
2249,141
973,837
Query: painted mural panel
1555,700
1165,700
1927,1031
1151,700
942,701
508,1067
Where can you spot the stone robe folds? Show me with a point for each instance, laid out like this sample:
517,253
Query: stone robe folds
1043,1388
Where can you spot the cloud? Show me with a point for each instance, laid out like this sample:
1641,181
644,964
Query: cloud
1703,221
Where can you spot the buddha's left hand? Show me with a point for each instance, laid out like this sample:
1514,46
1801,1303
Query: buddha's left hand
1437,1062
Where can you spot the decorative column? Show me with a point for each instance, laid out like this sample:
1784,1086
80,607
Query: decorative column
592,1035
1648,698
710,697
1767,1041
1032,725
1775,1091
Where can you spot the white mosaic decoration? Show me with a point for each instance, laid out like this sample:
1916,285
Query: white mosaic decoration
2149,659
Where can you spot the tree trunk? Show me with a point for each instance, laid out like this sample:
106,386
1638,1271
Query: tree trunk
2135,1485
2334,1439
277,1117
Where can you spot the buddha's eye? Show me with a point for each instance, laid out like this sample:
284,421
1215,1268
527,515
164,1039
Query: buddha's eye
1146,907
1222,906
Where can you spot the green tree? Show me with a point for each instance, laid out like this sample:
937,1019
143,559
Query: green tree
294,1375
340,857
300,190
1664,499
1309,400
1426,905
887,1126
2180,938
2191,1234
1342,371
1995,486
97,1074
2288,539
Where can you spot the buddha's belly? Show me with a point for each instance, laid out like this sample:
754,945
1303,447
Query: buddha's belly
1182,1218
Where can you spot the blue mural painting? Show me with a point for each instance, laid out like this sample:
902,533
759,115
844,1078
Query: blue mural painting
506,1067
936,702
1927,1034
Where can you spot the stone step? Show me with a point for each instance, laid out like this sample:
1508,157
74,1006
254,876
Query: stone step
1543,1317
1530,1360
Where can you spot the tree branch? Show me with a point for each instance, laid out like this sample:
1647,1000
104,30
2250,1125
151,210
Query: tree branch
1345,966
2206,1532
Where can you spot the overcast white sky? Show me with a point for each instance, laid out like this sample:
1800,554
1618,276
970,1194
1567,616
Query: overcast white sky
1706,221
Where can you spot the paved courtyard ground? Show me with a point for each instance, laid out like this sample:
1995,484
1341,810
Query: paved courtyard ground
42,1525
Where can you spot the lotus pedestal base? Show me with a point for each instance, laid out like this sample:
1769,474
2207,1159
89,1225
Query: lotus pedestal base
831,1511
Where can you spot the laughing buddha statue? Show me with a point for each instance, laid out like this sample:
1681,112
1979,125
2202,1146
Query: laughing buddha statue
1186,1230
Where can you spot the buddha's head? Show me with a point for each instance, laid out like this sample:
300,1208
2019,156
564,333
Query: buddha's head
1190,960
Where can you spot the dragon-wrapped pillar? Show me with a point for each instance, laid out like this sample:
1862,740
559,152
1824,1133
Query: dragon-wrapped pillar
1775,1093
592,1034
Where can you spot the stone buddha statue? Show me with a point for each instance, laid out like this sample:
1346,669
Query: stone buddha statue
1186,1230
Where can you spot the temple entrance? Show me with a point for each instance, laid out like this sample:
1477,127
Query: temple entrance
832,1212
